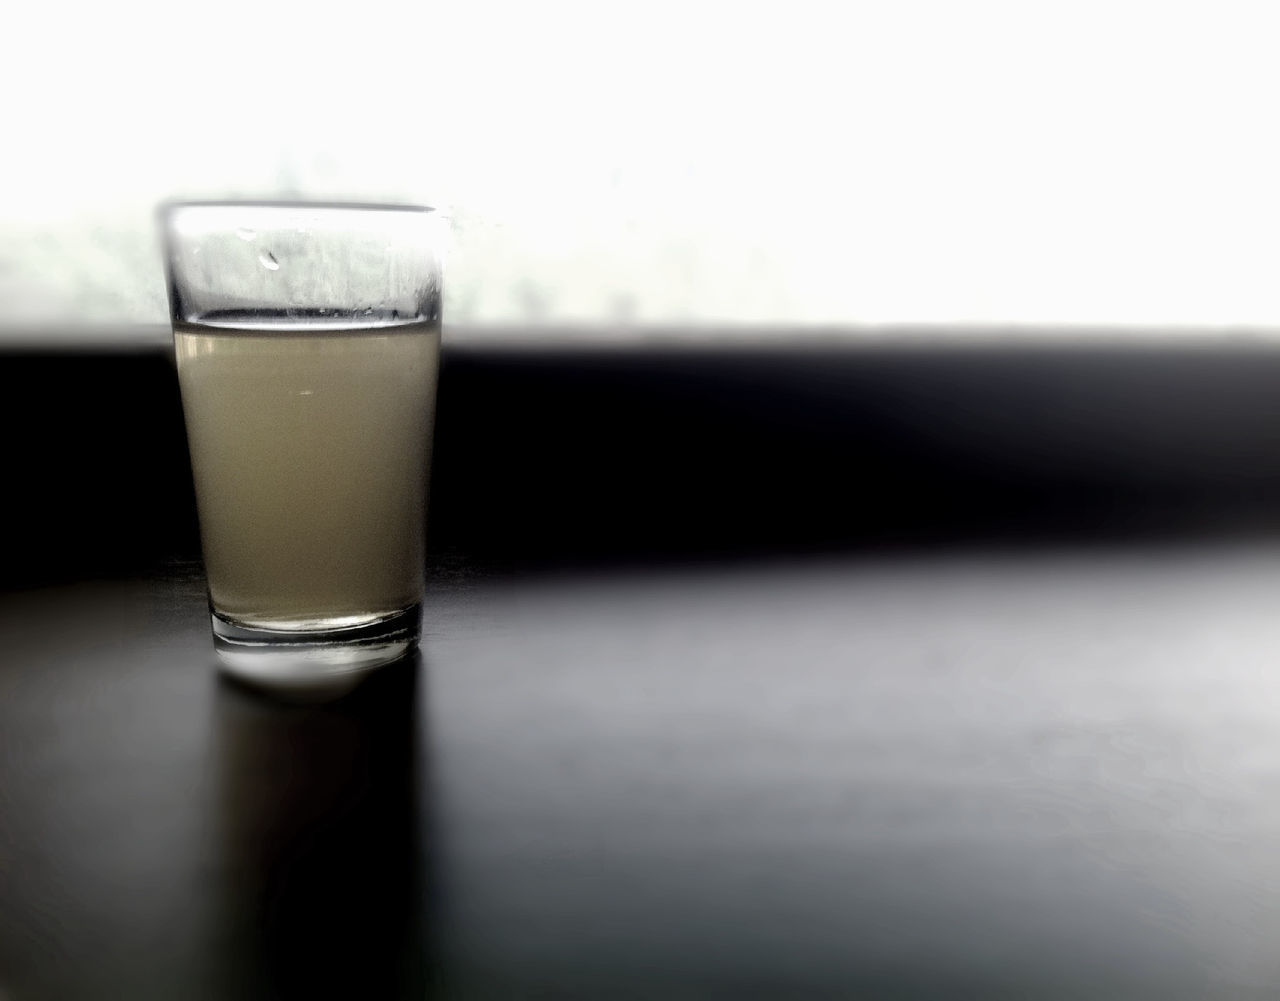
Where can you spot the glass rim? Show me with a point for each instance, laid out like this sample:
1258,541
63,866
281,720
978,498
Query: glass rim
172,207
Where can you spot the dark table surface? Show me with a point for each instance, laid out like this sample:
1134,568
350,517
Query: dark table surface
1030,773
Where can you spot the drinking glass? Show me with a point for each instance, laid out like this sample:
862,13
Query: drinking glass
307,339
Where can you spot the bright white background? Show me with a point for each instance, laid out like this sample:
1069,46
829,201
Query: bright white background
883,161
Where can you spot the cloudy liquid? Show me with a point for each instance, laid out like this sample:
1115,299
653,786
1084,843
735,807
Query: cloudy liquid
310,450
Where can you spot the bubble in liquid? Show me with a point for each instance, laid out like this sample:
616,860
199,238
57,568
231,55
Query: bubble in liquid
268,261
245,233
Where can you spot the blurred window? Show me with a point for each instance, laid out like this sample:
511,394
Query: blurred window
631,165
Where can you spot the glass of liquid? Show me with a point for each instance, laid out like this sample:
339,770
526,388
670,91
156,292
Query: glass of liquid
307,339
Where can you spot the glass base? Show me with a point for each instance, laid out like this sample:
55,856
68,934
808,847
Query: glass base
322,662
